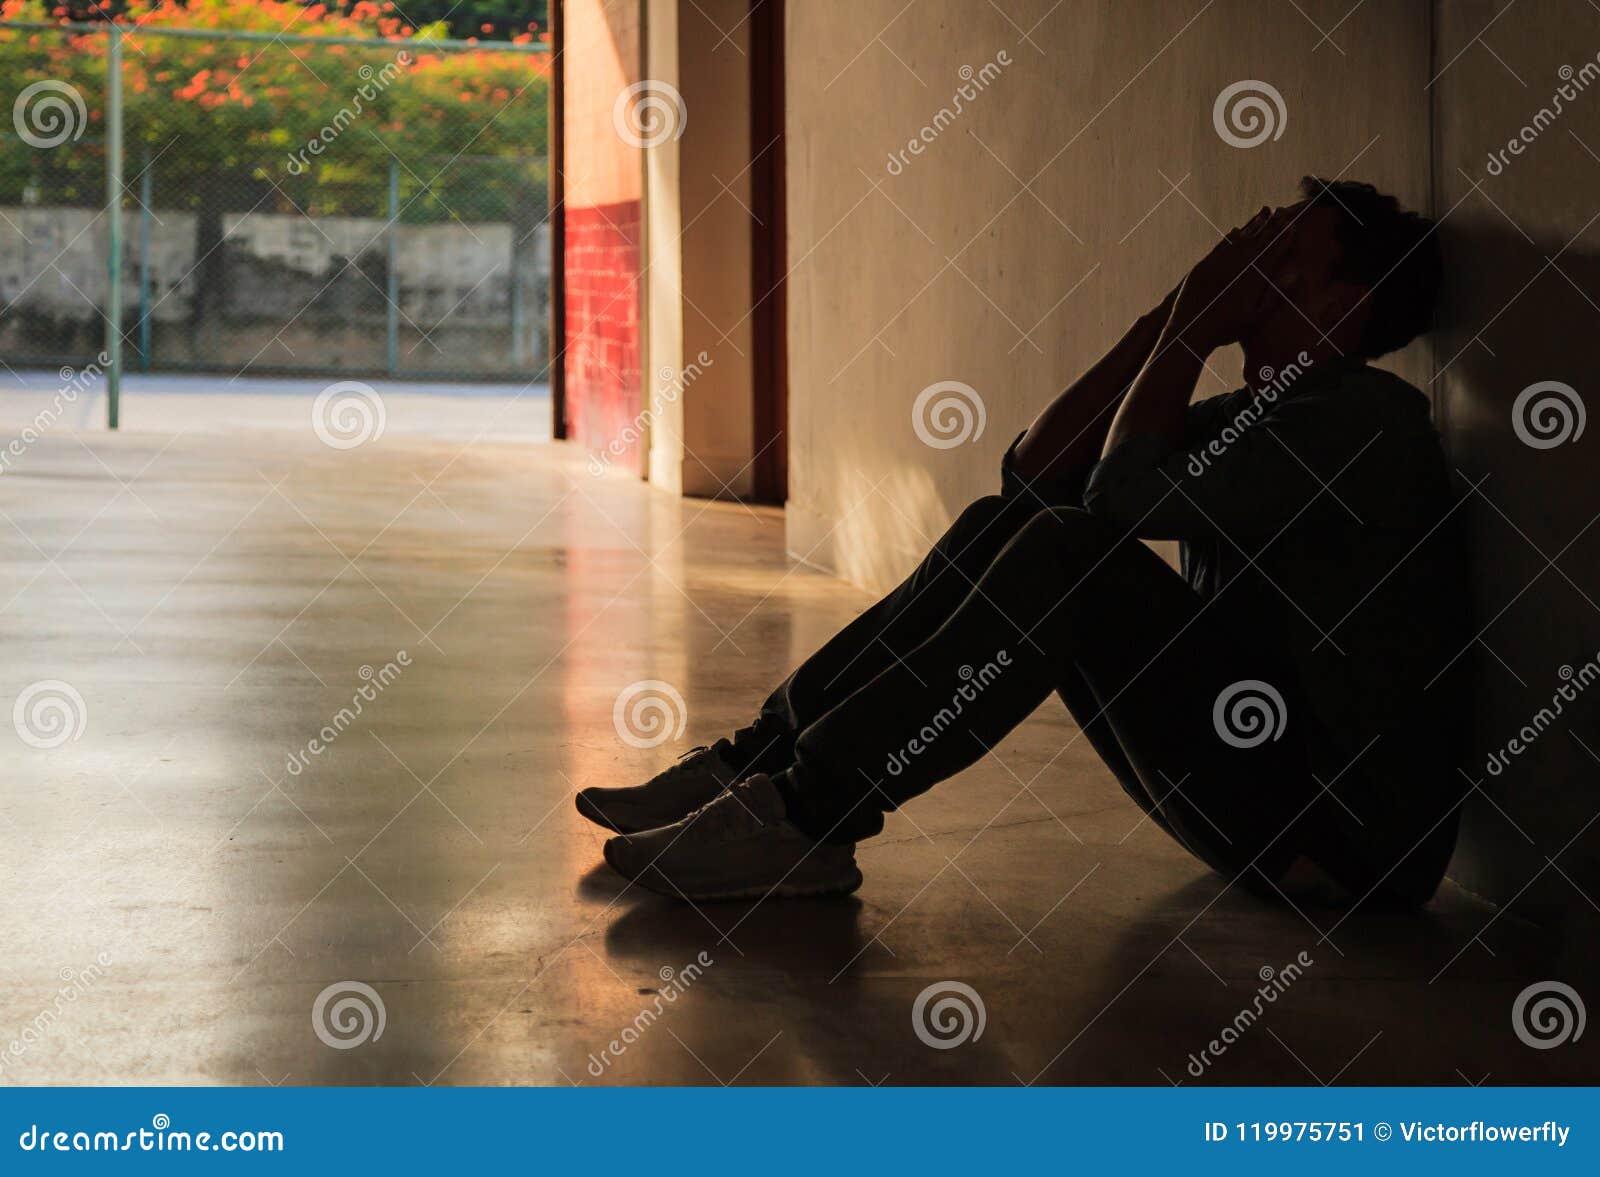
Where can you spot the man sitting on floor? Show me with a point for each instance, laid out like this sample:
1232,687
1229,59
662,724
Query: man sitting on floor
1284,697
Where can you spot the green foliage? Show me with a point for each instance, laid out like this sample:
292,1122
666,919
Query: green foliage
489,19
239,125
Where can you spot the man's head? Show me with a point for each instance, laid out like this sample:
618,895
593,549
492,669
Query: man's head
1356,267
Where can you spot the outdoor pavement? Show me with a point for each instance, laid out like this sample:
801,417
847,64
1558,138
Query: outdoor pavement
175,403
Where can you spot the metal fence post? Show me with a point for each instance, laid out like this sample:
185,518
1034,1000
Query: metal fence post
145,197
392,302
114,208
519,349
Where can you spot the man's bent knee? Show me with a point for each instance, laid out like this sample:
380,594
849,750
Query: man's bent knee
989,515
1063,531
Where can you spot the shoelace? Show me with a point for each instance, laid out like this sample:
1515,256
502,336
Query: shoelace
727,813
686,761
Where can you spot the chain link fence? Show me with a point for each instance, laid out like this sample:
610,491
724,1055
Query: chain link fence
312,204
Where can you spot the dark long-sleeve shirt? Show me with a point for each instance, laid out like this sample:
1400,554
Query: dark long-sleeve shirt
1327,503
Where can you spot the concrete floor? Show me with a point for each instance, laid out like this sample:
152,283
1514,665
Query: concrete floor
176,900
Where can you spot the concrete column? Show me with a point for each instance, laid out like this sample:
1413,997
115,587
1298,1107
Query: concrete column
698,235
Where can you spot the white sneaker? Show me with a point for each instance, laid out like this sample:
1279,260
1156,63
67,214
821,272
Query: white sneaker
665,798
740,845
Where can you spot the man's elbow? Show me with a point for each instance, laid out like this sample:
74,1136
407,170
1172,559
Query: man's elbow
1114,502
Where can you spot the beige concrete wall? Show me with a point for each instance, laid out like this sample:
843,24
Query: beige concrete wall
663,274
602,41
1523,306
698,242
1067,196
718,405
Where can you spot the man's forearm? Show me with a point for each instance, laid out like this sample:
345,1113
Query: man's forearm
1156,404
1214,305
1066,439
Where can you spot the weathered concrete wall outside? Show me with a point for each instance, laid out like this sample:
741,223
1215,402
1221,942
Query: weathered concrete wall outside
286,295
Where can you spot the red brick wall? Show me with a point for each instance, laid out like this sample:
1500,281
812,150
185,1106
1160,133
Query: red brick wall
603,181
603,293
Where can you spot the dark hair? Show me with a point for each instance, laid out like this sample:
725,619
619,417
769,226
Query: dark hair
1392,252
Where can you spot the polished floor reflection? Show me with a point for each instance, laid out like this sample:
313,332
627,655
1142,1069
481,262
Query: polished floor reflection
295,734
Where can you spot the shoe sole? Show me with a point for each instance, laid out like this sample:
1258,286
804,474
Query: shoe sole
653,880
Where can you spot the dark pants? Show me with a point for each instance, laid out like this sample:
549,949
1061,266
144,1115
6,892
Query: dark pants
1015,601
